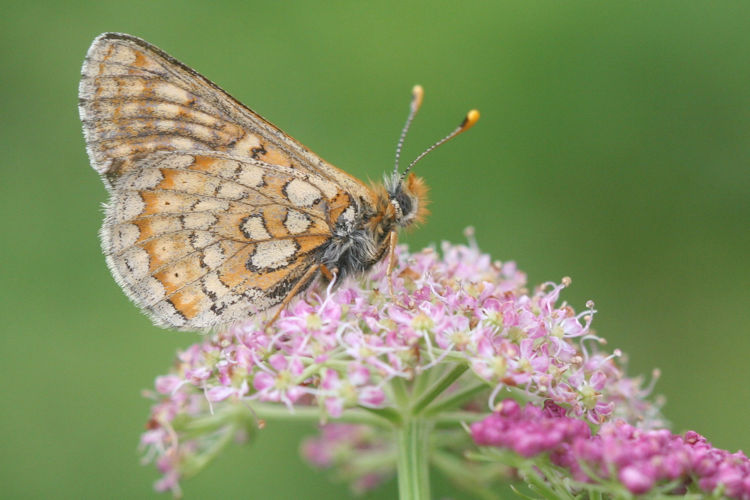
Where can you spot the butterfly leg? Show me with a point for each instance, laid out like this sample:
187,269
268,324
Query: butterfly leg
328,274
392,242
298,287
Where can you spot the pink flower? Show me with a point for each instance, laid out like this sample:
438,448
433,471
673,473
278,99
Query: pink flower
280,382
345,348
639,459
526,431
167,384
353,390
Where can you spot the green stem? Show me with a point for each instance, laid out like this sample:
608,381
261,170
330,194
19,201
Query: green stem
198,462
455,400
438,387
423,380
413,460
275,411
400,392
387,415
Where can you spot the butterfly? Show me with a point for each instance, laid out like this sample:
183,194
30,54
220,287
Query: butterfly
214,214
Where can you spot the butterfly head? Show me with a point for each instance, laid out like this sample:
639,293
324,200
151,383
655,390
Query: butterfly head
408,197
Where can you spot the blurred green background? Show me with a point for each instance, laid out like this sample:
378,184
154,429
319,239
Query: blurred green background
613,147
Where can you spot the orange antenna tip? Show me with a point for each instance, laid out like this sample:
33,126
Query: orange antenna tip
472,117
417,93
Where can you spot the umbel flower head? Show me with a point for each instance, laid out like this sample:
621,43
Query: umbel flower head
457,333
640,460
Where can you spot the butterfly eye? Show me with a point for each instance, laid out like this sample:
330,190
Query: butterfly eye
405,203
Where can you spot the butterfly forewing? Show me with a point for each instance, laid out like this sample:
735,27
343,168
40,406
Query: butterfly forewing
136,99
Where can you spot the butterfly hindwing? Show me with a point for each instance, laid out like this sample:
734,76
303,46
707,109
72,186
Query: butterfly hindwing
198,240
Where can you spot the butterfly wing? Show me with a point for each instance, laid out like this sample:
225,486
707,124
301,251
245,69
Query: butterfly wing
201,240
215,214
134,99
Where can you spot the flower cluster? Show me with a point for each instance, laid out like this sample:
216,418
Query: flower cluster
641,460
348,351
529,431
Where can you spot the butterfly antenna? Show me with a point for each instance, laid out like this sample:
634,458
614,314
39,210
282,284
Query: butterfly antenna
417,93
471,118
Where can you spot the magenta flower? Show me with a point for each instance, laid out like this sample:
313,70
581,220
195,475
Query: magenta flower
459,332
528,431
642,461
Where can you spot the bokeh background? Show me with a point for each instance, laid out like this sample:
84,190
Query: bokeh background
613,147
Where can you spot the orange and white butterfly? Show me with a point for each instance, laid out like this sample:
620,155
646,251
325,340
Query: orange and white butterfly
215,214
